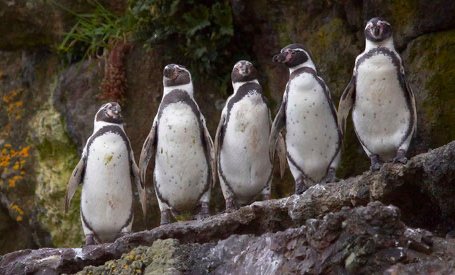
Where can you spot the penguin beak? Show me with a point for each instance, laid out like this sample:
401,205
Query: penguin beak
279,58
115,111
244,70
377,29
170,72
282,57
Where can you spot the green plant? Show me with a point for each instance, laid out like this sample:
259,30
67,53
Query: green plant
94,31
194,33
198,32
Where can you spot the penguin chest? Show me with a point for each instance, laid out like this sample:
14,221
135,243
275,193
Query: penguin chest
312,138
244,157
106,194
381,114
181,167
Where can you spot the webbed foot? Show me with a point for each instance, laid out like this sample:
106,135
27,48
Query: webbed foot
300,186
165,217
375,163
89,239
204,212
266,197
331,176
400,157
230,205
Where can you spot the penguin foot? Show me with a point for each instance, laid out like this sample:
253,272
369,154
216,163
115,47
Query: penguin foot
300,186
400,157
331,176
89,239
375,163
204,212
165,217
266,197
230,205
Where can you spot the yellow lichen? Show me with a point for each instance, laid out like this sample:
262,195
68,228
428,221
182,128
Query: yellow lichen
18,211
14,105
12,162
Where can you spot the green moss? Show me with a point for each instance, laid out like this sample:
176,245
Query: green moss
403,14
158,259
430,62
56,158
333,53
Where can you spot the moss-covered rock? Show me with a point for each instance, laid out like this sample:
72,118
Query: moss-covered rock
158,259
430,63
56,158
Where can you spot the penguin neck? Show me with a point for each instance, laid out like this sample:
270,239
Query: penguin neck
236,85
387,43
100,124
185,87
308,64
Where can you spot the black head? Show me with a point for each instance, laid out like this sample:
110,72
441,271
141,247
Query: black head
175,75
292,55
378,30
110,112
243,71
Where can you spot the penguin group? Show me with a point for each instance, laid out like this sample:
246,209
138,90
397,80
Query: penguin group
307,133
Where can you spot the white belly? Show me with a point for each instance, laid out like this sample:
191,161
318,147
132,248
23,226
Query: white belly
381,115
106,194
181,166
244,156
311,131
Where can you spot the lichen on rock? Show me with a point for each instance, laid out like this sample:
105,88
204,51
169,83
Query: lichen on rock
160,258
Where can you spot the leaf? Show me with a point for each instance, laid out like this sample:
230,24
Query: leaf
196,19
222,16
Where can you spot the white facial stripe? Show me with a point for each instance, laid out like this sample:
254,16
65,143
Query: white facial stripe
242,62
369,25
182,68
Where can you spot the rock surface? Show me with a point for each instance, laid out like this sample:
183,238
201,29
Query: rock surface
326,229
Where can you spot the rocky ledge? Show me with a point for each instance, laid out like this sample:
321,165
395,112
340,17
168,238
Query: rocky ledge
341,227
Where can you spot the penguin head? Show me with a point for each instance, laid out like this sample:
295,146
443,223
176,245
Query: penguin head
110,112
175,75
377,30
243,71
293,55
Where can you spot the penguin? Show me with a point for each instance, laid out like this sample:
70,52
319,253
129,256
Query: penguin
106,171
182,149
242,140
384,109
313,138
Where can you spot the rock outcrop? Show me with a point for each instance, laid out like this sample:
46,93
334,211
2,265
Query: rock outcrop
337,227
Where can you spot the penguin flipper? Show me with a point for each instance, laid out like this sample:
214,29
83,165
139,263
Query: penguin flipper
148,150
346,103
211,150
74,181
140,185
277,125
413,103
281,150
219,132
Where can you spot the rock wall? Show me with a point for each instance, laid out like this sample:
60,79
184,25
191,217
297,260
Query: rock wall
47,107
